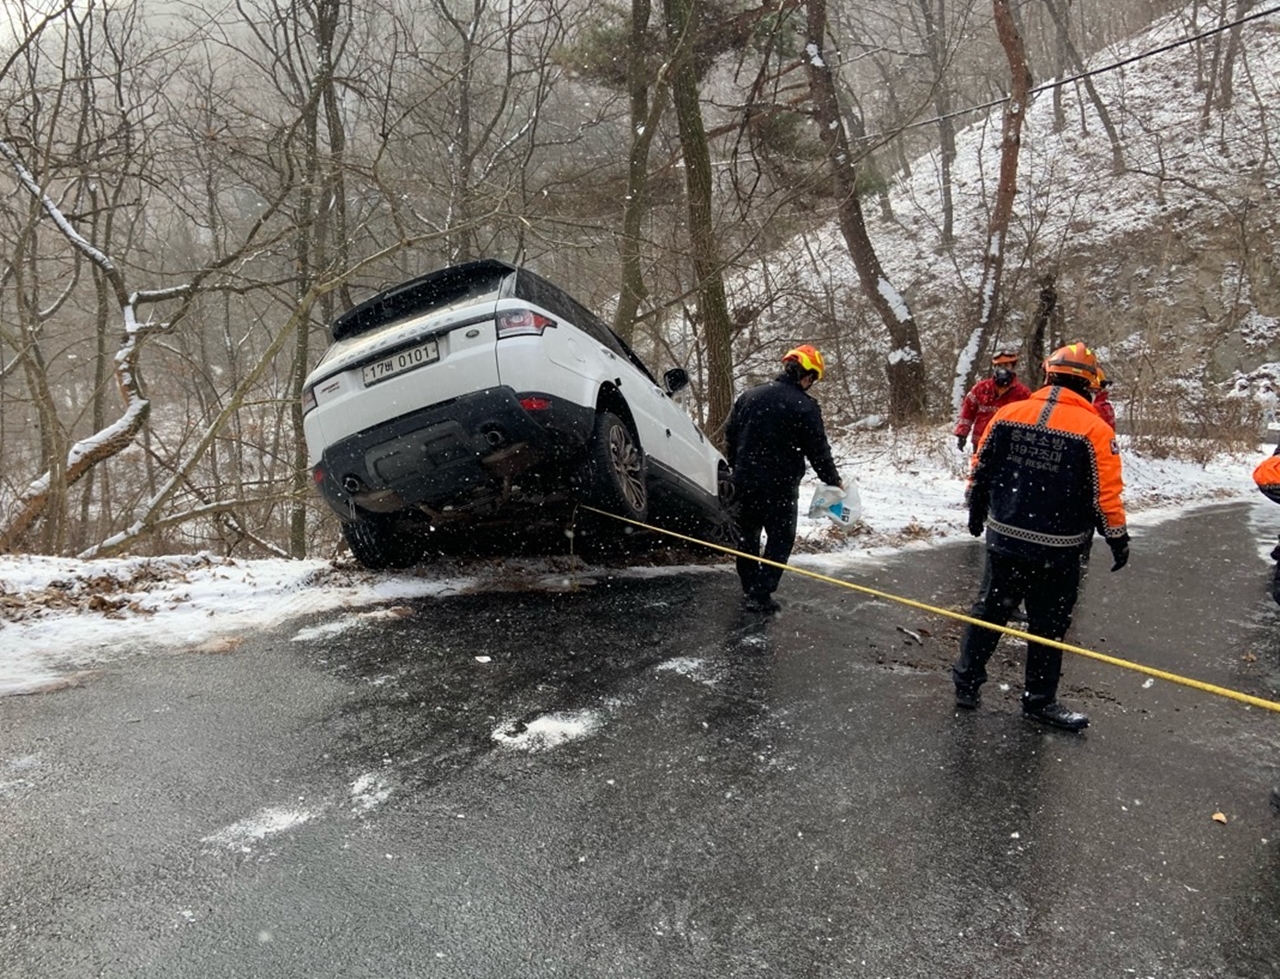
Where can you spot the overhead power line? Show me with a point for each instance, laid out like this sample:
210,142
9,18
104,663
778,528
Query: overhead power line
1058,83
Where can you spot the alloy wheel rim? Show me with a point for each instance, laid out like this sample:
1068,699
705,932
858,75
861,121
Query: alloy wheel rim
626,464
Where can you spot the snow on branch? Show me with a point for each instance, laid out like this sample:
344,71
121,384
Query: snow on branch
28,180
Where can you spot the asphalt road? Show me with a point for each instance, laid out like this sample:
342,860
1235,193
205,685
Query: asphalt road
632,778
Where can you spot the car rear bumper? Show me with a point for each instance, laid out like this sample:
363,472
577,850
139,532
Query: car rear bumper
455,455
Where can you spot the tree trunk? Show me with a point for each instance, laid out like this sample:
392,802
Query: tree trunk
1226,92
1100,106
1041,338
982,337
904,367
936,42
681,17
461,154
632,291
322,186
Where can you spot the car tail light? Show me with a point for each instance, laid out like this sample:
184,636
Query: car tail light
308,399
522,322
535,404
318,474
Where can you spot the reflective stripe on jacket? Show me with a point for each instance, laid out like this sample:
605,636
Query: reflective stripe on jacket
1046,473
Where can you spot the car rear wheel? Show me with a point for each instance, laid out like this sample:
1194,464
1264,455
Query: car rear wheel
617,470
378,545
722,528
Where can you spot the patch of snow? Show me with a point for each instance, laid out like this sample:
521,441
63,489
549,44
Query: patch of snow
368,792
693,667
256,828
547,731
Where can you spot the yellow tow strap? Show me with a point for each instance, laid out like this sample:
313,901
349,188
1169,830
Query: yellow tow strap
1244,698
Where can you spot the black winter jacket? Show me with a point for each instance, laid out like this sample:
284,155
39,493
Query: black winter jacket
772,430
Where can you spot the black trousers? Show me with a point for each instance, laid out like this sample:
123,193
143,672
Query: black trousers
1050,586
776,517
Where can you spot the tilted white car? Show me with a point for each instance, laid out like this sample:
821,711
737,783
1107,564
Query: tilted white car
481,396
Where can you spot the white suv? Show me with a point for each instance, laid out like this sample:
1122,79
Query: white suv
482,396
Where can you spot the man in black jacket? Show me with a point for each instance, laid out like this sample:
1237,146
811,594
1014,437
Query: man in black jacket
772,430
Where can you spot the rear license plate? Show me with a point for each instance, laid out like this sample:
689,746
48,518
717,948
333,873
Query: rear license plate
398,363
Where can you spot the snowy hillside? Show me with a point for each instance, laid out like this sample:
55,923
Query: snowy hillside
1171,266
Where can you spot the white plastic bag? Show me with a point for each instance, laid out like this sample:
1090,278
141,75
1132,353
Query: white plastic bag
843,507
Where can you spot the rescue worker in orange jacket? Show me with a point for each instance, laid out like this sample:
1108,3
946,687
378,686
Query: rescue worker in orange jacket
988,396
1267,475
1047,472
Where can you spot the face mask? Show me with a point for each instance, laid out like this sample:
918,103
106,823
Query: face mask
1004,376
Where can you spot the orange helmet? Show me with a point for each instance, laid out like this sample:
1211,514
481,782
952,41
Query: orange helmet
1004,358
1100,380
1075,359
807,357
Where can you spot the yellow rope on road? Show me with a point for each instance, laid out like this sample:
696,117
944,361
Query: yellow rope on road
1243,698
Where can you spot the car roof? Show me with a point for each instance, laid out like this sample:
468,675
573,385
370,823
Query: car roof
408,297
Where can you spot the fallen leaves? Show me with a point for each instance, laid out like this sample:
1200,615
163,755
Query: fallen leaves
1220,817
394,612
113,596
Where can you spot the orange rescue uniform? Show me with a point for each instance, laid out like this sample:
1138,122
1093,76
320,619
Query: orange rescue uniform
1047,472
1267,475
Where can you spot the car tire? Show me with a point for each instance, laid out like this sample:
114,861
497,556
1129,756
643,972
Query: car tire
378,546
617,483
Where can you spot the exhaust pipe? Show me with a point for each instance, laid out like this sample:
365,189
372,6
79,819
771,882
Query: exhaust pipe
352,484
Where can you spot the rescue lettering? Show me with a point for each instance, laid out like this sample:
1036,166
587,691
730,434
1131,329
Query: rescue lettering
1036,449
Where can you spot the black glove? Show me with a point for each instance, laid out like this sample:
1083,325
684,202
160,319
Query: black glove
976,522
960,439
1119,550
1275,584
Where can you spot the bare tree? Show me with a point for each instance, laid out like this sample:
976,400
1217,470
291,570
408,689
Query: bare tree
938,51
681,22
904,366
645,114
1099,105
1226,86
306,41
993,257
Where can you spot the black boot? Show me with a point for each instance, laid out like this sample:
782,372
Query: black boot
1275,798
1055,715
760,602
968,698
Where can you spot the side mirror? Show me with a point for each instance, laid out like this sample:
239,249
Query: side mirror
676,379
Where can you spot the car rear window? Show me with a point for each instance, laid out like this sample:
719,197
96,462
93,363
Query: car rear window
436,292
556,301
